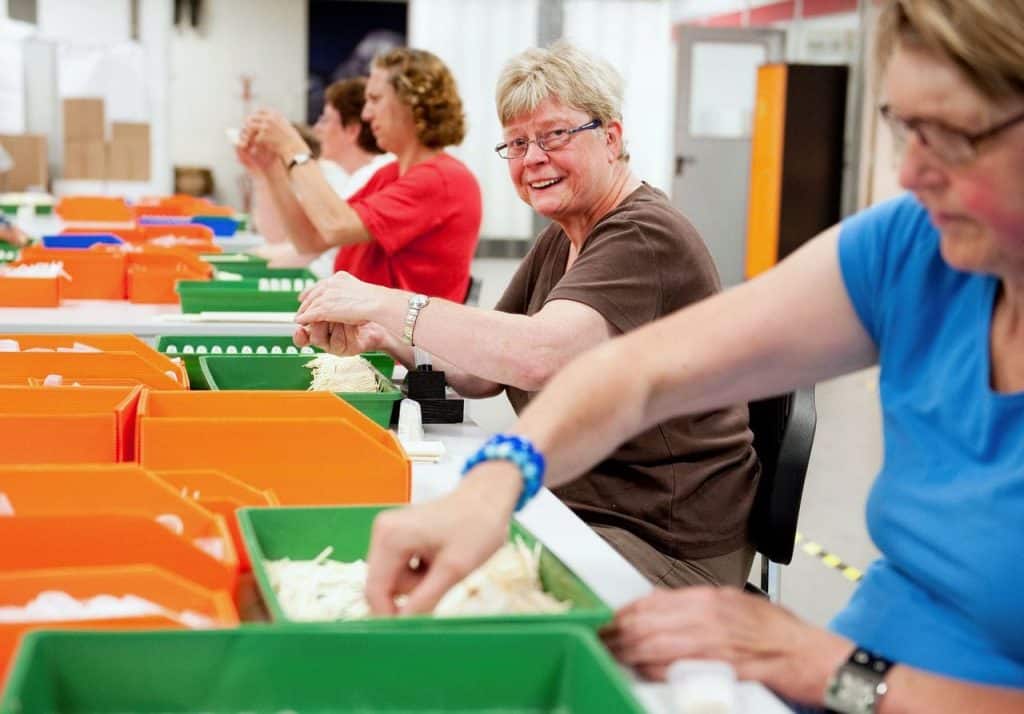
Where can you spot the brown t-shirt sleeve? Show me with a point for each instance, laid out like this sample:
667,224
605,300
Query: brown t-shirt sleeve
635,271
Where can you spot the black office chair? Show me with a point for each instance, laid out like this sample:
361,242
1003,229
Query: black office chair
473,291
783,429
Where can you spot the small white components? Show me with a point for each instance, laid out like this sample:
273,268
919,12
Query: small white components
53,269
9,346
508,583
341,374
322,589
703,686
57,606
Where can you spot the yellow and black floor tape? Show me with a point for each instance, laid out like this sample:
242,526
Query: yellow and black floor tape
830,560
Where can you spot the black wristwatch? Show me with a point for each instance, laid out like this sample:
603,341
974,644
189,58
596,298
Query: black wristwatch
858,685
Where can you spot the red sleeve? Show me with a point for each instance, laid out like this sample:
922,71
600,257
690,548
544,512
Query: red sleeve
404,209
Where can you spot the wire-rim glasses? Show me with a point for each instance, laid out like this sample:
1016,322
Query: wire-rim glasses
548,141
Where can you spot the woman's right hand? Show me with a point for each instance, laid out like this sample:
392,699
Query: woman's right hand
423,550
341,339
255,158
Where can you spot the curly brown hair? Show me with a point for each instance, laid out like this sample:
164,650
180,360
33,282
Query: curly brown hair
348,96
425,84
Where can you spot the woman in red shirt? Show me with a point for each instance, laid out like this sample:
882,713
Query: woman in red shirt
416,223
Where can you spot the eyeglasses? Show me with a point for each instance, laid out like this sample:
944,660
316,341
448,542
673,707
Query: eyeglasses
951,146
548,141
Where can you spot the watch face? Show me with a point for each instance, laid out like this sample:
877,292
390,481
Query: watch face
854,690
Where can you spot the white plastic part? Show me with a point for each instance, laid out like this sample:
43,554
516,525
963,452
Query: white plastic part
53,380
410,421
703,687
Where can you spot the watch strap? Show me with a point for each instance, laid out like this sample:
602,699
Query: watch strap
416,303
859,683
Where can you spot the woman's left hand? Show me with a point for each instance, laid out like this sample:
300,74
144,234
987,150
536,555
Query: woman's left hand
339,339
761,641
271,131
341,298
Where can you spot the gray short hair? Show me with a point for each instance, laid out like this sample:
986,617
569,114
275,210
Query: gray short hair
563,72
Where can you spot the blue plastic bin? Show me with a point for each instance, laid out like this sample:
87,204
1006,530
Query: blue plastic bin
80,240
222,226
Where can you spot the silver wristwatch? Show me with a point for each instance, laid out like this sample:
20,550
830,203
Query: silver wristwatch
298,160
416,303
858,684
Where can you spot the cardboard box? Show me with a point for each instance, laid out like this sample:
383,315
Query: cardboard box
128,161
128,152
123,131
85,160
84,120
28,151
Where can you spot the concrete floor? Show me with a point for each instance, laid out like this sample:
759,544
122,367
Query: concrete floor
846,455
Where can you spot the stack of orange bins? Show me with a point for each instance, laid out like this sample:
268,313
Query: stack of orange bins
94,209
31,292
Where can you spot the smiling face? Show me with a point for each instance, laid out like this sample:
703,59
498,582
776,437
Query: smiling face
389,118
976,207
568,182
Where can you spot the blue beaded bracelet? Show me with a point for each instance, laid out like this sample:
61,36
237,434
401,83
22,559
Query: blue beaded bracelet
521,452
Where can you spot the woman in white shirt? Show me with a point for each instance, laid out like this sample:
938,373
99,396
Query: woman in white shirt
349,156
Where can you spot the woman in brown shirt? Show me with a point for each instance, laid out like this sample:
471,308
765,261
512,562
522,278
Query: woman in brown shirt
673,500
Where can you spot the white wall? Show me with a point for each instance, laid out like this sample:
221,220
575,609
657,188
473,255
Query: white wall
635,36
264,39
475,38
96,22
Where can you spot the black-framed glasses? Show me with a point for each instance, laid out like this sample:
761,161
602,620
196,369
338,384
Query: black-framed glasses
548,141
951,146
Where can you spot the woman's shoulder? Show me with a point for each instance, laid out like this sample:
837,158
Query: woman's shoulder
649,215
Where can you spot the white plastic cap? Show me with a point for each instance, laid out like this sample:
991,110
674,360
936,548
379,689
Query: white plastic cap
703,686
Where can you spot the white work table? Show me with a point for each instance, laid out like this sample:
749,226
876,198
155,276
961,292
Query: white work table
599,565
121,316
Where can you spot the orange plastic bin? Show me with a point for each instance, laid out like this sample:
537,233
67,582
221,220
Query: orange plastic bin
222,494
116,489
17,367
310,448
156,585
102,342
68,425
72,541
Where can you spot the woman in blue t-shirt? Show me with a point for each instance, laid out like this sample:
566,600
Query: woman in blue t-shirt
931,287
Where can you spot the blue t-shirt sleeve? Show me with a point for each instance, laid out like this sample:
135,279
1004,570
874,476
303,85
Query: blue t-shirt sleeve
873,244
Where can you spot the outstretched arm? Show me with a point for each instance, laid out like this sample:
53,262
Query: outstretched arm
792,326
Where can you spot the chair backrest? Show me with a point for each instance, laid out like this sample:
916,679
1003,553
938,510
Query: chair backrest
783,429
473,291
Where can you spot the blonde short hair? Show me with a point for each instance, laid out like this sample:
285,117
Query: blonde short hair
561,72
424,83
983,38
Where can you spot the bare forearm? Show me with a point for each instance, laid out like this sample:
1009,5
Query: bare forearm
296,224
912,691
468,385
495,347
333,220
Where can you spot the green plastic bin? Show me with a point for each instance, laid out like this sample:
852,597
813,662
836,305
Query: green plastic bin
233,259
302,533
8,252
550,670
222,372
190,348
255,270
234,296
